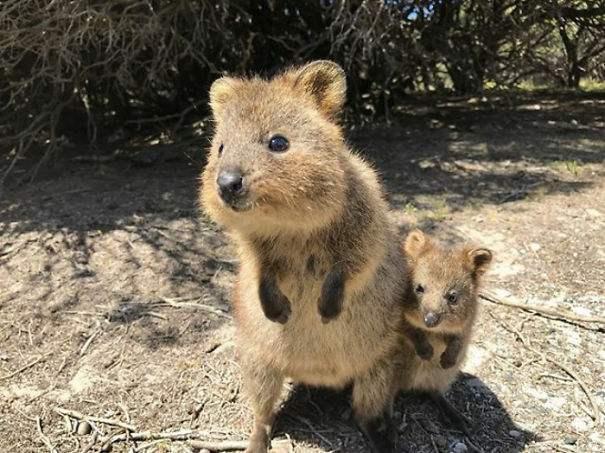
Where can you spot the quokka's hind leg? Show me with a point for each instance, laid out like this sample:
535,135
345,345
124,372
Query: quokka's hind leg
450,415
373,396
263,386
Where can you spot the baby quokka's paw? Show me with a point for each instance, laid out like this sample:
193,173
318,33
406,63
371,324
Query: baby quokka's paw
447,361
424,351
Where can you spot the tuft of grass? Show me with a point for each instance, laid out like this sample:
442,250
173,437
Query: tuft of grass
410,208
572,166
592,85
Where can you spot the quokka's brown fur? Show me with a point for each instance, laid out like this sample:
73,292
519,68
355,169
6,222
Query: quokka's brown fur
300,213
443,284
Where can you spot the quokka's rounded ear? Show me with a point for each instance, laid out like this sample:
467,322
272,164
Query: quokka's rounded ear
415,242
326,82
479,260
220,92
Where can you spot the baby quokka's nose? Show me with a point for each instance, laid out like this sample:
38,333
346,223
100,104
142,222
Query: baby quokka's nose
431,319
230,184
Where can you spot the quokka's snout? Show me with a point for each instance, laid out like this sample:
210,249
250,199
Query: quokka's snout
232,187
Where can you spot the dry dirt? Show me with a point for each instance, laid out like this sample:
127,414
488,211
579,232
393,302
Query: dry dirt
114,290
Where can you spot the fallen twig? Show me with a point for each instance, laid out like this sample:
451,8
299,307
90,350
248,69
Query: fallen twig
103,420
176,304
25,367
596,411
90,444
596,415
88,342
224,445
44,437
195,438
564,315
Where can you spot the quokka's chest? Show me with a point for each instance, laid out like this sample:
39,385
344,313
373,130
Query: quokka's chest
301,275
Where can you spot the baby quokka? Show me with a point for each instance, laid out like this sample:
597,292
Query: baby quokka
439,312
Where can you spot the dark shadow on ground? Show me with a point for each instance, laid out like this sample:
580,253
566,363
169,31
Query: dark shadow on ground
322,418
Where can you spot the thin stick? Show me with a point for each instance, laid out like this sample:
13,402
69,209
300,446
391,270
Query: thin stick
105,421
91,444
596,416
148,445
195,438
559,314
176,304
23,368
88,342
225,445
44,437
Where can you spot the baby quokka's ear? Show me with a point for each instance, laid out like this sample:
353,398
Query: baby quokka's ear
478,260
415,243
221,91
326,82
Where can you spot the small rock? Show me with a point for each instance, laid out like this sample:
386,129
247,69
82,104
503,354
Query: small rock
515,434
534,246
570,440
459,447
84,428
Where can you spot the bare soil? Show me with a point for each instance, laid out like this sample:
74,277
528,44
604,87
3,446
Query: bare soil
114,290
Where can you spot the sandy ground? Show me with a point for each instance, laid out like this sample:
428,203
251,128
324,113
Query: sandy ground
114,291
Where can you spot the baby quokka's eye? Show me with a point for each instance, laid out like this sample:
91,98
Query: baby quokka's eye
220,150
452,297
278,144
419,289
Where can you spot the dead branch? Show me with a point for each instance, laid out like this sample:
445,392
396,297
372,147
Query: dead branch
196,439
88,342
563,315
225,445
596,415
103,420
44,437
176,304
596,411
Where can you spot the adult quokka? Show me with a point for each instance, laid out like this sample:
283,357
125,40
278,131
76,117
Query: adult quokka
305,211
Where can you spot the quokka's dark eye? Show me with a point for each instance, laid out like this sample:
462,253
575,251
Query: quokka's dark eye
452,298
278,144
220,150
419,289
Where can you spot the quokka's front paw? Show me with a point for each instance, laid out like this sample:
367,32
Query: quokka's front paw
329,313
447,361
279,314
424,351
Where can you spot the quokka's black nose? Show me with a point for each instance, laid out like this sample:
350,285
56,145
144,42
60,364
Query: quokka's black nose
431,319
230,184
